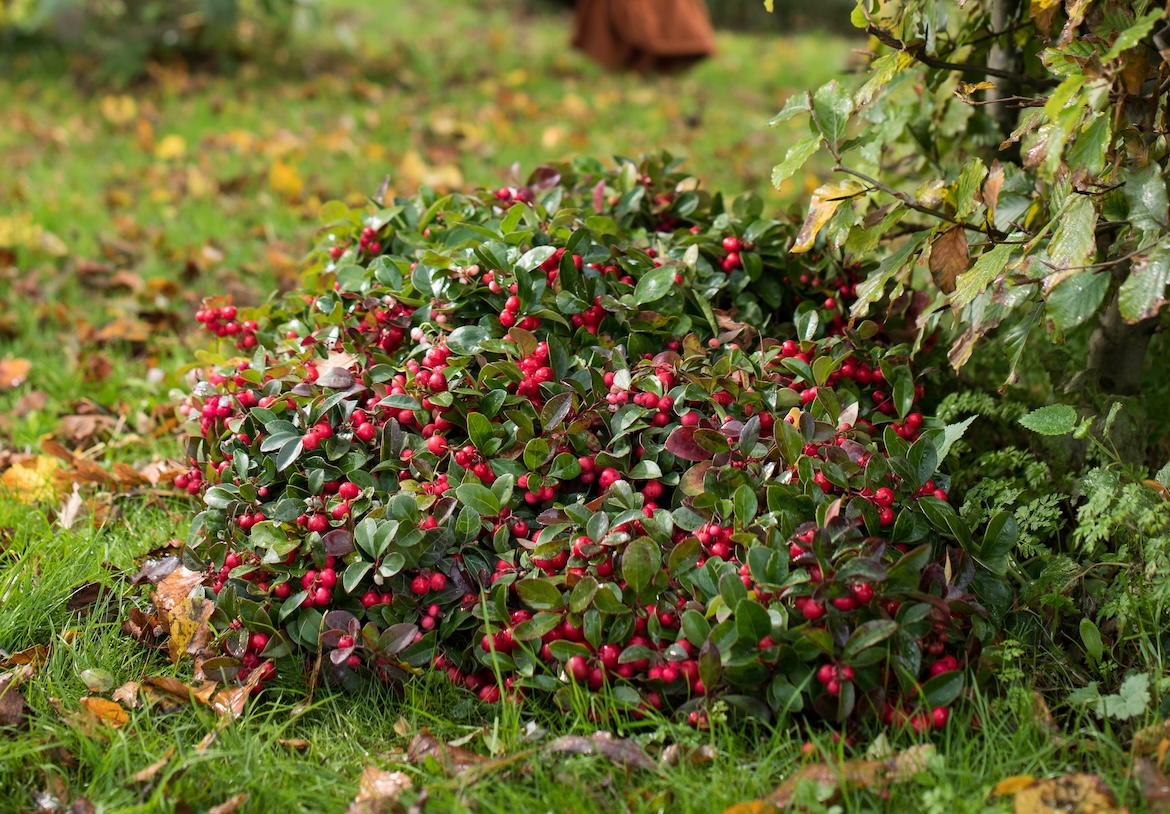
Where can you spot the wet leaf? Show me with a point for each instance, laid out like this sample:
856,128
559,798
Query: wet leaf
106,712
619,751
378,791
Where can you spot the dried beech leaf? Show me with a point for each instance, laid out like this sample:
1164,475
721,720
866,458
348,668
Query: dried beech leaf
13,710
619,751
128,695
949,257
35,655
453,759
230,805
1082,793
378,791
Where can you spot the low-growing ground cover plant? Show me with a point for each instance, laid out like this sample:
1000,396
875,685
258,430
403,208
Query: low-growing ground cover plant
523,437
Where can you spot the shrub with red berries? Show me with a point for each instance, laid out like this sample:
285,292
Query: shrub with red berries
527,440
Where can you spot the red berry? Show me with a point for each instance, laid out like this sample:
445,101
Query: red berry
731,243
420,585
318,523
348,491
438,582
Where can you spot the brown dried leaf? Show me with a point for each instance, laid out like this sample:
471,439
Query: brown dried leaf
852,774
35,656
30,403
949,257
153,769
142,627
228,806
300,744
229,702
1145,741
156,570
128,695
678,754
71,509
13,710
1082,793
106,712
84,597
13,372
619,751
181,616
453,759
1154,784
378,791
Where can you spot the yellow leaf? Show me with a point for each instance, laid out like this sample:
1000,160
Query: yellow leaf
1010,785
118,110
187,622
107,712
825,200
285,180
170,147
1083,793
33,481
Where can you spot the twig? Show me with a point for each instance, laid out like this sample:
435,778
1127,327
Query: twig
919,53
911,203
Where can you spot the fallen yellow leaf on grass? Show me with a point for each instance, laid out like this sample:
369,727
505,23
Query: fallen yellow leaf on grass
1081,793
1011,785
118,110
33,481
107,712
170,147
285,180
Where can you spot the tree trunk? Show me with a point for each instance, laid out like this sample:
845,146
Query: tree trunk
1005,57
1117,352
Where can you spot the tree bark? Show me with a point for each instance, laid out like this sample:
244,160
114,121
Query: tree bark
1117,352
1005,57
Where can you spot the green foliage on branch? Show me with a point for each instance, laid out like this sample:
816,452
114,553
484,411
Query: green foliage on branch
1010,158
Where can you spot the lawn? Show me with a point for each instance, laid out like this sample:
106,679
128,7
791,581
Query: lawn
121,208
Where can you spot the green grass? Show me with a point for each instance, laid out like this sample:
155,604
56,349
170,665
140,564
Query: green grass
460,85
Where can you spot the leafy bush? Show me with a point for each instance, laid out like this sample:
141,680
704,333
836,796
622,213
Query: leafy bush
126,36
517,436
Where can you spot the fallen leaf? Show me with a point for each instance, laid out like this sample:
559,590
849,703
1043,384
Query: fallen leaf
30,403
300,744
378,791
852,774
107,712
229,702
402,727
228,806
1154,784
1011,785
1081,793
170,147
453,759
13,710
678,754
155,571
188,628
128,695
84,597
97,680
619,751
35,655
153,769
118,110
168,688
285,180
33,481
71,509
1146,740
13,372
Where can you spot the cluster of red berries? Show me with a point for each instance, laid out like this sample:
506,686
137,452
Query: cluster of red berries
552,266
535,371
508,316
732,260
221,321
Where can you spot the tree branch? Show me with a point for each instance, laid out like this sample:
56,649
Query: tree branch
919,53
913,204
